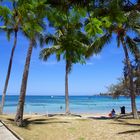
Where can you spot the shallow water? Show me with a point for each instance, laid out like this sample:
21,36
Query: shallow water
78,104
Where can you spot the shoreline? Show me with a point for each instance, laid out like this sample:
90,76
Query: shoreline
62,114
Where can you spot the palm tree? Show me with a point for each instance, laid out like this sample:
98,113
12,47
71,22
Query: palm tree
119,25
11,21
32,28
128,44
130,75
20,108
72,50
68,41
135,50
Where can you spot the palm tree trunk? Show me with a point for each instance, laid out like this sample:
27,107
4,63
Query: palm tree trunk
137,61
20,107
67,111
132,88
8,73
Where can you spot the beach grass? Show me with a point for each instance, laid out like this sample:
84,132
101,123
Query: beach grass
39,127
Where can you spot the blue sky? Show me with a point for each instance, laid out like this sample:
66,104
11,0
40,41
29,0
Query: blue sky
47,78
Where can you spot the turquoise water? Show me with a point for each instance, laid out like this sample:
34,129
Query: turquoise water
78,104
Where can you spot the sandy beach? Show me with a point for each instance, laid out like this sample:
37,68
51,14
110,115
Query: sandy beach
83,127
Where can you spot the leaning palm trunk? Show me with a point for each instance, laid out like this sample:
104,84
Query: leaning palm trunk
20,107
8,73
131,83
137,60
67,111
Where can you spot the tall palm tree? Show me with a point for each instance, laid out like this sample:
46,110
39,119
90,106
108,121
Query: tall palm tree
130,75
128,44
20,107
132,45
34,25
69,42
11,19
72,46
120,26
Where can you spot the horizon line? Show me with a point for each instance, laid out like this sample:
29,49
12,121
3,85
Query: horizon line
52,95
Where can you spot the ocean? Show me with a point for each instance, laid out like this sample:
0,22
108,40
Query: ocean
78,104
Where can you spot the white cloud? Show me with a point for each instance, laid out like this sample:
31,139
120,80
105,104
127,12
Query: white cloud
98,57
51,63
92,60
90,63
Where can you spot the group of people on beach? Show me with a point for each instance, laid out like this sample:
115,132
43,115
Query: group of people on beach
113,113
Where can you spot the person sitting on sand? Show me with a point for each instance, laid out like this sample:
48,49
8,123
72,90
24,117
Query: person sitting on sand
112,114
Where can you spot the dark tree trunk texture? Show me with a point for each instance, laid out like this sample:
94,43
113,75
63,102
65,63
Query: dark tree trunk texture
20,107
8,73
137,59
132,88
67,111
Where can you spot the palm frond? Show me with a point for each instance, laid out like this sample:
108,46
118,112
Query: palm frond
5,13
133,47
133,20
58,56
47,52
98,45
136,39
8,33
41,40
50,39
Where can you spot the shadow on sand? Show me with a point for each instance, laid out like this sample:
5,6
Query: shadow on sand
47,119
101,118
124,120
70,115
130,132
38,121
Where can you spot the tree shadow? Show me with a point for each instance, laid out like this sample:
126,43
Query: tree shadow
38,121
123,122
70,115
42,121
130,131
126,116
101,118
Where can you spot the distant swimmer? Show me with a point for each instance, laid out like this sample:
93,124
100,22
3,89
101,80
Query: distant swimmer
61,107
